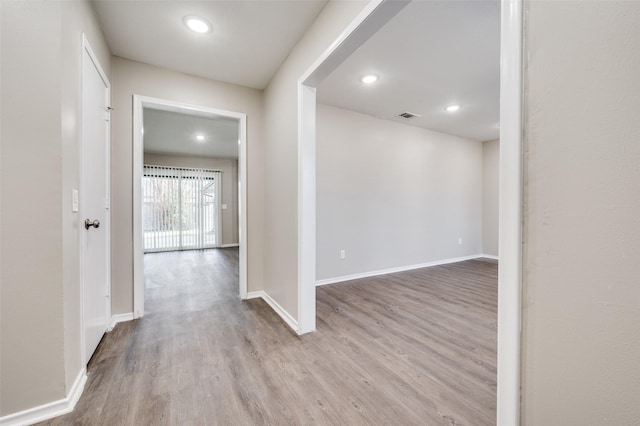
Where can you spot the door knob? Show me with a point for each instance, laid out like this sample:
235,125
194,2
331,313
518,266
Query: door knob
88,223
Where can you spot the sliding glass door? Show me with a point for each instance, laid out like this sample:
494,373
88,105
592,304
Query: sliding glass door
180,208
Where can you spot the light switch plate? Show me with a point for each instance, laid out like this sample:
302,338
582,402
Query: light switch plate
74,201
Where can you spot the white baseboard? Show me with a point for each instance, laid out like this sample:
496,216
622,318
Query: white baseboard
115,319
229,245
394,270
286,317
50,410
490,256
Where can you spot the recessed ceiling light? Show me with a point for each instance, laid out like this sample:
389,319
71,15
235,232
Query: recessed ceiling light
452,108
369,79
200,138
197,24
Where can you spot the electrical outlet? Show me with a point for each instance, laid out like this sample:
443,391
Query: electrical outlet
343,254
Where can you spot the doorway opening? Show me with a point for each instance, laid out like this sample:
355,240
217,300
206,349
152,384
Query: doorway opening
374,16
189,185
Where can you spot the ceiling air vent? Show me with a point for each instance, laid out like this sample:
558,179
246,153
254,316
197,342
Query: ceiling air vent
408,115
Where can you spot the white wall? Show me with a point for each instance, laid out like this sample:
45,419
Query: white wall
40,313
581,313
32,369
490,196
129,78
393,195
229,189
280,106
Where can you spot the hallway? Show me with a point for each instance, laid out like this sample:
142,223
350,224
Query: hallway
411,348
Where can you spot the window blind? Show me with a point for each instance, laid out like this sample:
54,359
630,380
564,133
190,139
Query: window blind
181,208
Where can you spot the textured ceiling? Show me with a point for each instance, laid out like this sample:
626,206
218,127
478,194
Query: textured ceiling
175,133
249,41
432,54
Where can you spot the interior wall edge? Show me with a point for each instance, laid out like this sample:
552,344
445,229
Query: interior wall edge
289,320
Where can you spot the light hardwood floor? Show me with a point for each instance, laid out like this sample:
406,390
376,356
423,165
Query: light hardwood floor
413,348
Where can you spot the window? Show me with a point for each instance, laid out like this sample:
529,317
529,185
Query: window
180,208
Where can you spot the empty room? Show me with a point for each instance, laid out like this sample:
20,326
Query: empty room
406,222
321,212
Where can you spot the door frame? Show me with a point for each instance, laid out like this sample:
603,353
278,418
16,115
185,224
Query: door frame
140,102
373,17
86,47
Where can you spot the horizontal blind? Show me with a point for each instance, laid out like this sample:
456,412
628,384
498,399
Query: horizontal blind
180,208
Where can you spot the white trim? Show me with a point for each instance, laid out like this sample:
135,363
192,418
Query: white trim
138,248
115,319
373,17
140,102
370,19
490,256
51,409
243,226
396,269
306,208
229,246
86,46
282,313
510,213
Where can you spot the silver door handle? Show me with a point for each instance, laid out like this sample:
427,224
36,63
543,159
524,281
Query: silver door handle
88,223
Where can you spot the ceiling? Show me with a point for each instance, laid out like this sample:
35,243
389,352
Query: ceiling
431,55
249,41
167,132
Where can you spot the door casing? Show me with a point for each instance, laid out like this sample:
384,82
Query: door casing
88,51
140,102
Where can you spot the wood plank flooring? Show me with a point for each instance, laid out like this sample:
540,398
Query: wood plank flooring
413,348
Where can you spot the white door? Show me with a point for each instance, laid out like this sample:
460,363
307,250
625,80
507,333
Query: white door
94,199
